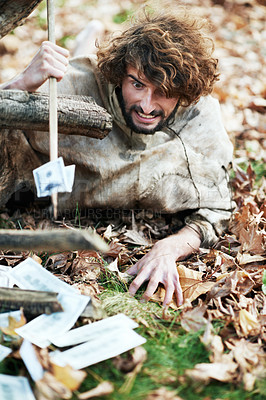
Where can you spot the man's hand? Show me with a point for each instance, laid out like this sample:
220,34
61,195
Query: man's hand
50,60
159,265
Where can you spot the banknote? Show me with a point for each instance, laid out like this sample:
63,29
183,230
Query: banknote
43,328
4,280
98,349
108,326
32,276
15,387
54,177
4,351
31,361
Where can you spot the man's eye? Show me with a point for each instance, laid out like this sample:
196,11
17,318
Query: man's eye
137,85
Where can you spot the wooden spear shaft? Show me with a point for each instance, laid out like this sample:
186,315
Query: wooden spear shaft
53,128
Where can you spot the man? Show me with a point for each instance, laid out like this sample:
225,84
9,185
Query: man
168,150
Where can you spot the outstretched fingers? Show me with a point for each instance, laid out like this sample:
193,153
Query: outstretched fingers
165,273
151,288
137,282
169,291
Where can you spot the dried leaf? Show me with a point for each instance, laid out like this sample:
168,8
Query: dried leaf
113,267
249,381
247,354
57,261
248,323
51,389
246,258
252,239
128,364
223,372
193,320
109,233
103,389
37,259
213,344
251,360
159,295
243,282
115,248
13,324
139,357
91,289
192,284
134,237
258,104
89,254
233,282
163,394
70,377
87,265
43,357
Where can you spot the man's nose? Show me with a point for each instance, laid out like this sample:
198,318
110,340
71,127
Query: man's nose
147,103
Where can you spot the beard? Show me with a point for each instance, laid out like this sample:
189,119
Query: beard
127,114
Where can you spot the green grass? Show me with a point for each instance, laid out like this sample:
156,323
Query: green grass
170,351
11,366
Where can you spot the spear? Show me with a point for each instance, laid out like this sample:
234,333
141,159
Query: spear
53,128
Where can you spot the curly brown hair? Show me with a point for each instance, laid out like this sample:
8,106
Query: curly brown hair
170,49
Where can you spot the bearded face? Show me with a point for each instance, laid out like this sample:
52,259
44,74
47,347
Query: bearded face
145,108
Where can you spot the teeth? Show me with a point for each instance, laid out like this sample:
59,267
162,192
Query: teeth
145,115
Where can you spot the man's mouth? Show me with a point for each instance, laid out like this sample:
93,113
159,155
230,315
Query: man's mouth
147,116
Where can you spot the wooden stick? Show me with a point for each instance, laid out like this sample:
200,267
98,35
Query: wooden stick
34,302
51,240
52,100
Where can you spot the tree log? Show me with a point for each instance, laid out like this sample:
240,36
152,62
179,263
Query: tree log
13,13
77,115
34,302
53,240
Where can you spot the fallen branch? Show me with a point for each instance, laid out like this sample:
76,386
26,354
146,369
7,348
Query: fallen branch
77,115
34,302
54,240
13,13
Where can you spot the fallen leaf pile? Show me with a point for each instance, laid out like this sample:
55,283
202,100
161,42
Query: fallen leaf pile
228,282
